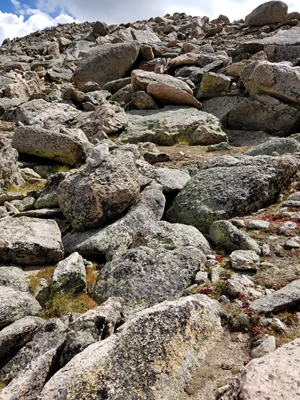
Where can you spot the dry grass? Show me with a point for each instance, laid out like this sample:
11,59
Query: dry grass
45,273
27,187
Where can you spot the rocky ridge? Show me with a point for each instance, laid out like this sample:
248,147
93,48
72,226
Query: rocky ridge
149,209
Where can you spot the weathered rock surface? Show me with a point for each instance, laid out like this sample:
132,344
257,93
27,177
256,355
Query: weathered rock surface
69,275
9,172
118,236
279,300
244,260
278,145
106,63
217,193
117,366
45,115
99,194
163,235
272,376
14,277
17,334
145,276
64,147
30,241
48,197
270,12
15,305
171,125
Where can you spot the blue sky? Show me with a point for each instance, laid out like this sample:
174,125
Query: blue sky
21,17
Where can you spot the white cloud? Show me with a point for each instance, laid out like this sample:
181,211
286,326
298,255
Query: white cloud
12,25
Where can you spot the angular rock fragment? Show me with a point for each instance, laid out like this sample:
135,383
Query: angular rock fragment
267,13
173,336
30,241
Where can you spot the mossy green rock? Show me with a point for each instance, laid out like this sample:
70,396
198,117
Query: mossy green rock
227,187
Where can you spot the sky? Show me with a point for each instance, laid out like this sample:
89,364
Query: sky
21,17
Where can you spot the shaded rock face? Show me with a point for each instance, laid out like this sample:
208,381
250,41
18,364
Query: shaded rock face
99,194
217,193
274,376
270,12
173,335
145,276
106,63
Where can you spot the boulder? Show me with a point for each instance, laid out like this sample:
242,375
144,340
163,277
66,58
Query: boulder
246,138
227,237
59,75
272,376
143,276
99,194
279,80
278,145
163,235
30,241
267,13
14,336
279,300
109,118
65,147
100,29
13,277
45,115
173,335
244,260
227,187
69,275
220,106
149,207
9,171
106,63
263,346
213,85
143,101
266,113
51,336
171,125
15,305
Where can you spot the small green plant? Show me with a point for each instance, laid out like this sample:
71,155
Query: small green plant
27,187
2,385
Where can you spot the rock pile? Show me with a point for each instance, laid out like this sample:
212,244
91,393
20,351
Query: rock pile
149,175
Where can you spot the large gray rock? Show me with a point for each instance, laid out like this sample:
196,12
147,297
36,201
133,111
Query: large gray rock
51,336
151,357
14,277
45,115
173,124
267,13
220,106
275,79
14,336
15,305
69,275
148,208
163,235
279,300
265,113
213,85
30,382
106,63
99,194
244,260
145,276
66,147
227,187
246,138
9,171
278,145
274,376
226,236
30,241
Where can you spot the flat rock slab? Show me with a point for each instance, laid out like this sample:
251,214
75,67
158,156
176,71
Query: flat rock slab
173,124
227,187
274,376
150,357
30,241
14,277
15,305
279,300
